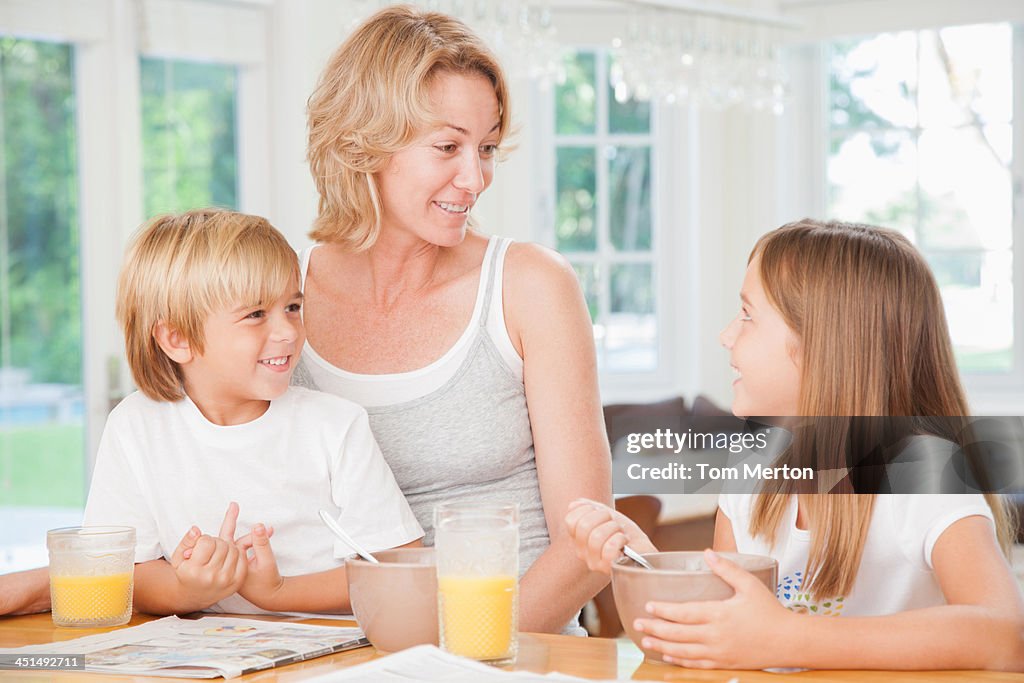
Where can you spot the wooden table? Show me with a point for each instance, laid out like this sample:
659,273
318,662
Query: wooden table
586,657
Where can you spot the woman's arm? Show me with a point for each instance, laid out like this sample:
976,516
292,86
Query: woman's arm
25,592
549,325
982,627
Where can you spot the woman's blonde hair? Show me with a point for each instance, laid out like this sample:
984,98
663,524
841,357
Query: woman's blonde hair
373,99
179,269
873,341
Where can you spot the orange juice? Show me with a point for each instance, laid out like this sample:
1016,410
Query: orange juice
478,615
91,599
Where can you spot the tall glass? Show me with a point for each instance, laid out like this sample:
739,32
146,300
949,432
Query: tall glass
92,572
477,579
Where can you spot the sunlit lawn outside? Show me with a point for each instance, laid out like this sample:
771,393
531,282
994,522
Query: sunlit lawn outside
42,465
999,360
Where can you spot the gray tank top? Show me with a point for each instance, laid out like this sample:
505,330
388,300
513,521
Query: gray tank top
468,441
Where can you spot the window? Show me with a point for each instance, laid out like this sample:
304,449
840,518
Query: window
188,135
921,139
42,440
102,123
604,221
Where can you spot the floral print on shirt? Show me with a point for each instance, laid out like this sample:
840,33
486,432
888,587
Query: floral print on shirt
793,598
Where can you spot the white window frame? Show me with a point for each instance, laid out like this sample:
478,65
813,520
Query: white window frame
666,164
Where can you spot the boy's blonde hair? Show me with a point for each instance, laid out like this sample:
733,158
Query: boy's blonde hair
873,342
373,99
179,269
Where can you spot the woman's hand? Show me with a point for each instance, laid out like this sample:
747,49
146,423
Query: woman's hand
599,532
750,630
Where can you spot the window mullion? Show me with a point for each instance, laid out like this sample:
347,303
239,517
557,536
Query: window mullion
1017,180
603,205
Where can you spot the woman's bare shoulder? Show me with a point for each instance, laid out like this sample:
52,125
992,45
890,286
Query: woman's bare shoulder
529,264
537,275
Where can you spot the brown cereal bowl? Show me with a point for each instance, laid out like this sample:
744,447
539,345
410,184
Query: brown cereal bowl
677,577
395,602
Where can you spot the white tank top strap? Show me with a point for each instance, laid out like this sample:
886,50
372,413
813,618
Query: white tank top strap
493,319
304,264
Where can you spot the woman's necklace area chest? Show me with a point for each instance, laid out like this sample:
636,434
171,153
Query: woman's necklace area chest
365,338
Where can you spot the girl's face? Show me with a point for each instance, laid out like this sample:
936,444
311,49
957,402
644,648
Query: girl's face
763,352
428,189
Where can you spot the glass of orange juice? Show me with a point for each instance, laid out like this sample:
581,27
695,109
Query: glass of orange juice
91,575
477,550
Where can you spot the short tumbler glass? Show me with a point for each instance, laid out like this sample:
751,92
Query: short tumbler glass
91,575
477,579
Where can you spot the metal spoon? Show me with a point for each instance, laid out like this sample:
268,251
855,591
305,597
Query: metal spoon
345,538
636,557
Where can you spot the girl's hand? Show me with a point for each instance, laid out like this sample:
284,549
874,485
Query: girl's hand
598,533
263,579
750,630
210,568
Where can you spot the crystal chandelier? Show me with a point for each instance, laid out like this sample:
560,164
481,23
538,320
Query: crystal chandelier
675,57
521,33
718,58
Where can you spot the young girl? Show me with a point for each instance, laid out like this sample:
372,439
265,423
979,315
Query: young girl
839,320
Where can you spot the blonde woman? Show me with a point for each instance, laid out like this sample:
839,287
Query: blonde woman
473,355
840,320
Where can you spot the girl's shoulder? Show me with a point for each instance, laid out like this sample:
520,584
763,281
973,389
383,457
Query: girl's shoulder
916,521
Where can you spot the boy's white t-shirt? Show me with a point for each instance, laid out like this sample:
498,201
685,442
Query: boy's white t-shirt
163,467
895,573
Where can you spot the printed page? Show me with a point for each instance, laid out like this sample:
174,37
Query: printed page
428,663
204,648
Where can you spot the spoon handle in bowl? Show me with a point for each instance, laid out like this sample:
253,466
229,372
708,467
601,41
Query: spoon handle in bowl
345,538
636,557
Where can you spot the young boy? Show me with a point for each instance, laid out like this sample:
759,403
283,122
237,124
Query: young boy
209,304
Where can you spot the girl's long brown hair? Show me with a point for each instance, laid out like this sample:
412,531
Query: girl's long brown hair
873,342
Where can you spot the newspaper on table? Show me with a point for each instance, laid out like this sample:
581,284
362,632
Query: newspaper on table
208,647
428,664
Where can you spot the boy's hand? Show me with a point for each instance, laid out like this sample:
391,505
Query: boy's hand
263,580
210,568
598,533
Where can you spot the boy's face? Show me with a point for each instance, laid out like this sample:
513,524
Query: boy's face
248,359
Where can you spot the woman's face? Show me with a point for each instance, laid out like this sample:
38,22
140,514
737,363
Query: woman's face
428,188
763,354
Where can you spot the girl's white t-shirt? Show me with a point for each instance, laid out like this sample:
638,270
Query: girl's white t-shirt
895,573
162,467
